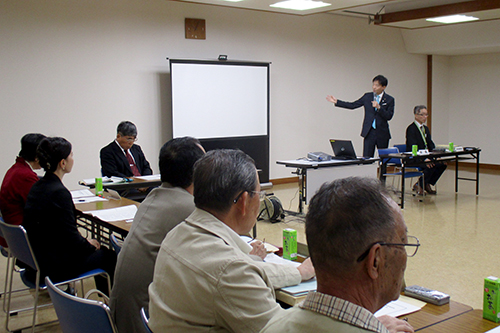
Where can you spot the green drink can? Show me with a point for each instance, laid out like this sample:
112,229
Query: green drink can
289,244
414,150
451,146
98,187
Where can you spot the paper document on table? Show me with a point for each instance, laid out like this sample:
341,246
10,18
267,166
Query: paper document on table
105,180
85,196
271,257
88,199
269,247
75,194
115,214
150,177
398,308
302,288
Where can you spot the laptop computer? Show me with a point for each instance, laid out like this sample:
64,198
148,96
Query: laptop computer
343,149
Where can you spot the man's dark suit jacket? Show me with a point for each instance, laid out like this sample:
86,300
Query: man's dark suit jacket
50,221
382,116
114,162
413,137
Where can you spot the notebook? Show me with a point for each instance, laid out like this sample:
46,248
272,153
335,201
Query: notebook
343,149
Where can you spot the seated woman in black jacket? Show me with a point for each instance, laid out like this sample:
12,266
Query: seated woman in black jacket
49,219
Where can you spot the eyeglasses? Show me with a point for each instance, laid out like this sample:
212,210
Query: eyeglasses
131,139
422,114
262,195
411,247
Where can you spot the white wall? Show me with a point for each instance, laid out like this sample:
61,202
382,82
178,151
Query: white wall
440,99
75,69
474,111
476,37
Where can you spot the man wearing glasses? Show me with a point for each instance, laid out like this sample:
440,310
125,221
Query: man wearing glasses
123,158
419,134
204,278
359,246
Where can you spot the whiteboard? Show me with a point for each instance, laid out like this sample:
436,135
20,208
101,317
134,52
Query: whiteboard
219,99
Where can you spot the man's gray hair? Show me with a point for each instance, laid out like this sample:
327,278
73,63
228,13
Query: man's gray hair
126,128
416,109
345,217
220,176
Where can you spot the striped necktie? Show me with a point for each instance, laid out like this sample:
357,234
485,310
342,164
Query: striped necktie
131,162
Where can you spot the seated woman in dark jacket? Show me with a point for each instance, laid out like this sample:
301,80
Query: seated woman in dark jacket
49,219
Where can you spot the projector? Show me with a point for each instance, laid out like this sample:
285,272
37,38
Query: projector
319,156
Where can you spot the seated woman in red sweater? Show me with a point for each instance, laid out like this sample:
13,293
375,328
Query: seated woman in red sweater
18,181
50,221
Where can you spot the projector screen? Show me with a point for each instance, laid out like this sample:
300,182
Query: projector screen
224,104
212,99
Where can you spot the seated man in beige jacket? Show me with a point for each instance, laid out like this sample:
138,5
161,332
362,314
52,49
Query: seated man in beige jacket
205,279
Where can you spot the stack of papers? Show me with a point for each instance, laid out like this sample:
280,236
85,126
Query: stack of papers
125,213
402,306
84,196
91,181
150,177
302,288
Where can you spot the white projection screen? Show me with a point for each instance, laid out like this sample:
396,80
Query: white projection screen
225,104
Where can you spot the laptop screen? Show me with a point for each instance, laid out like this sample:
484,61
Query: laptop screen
343,148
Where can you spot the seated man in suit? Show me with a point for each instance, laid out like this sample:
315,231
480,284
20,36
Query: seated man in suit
419,134
204,278
358,244
123,158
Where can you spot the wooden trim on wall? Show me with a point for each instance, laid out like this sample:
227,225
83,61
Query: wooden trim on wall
281,181
429,91
483,167
435,11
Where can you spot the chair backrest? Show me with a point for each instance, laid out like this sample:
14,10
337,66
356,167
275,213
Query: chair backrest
145,319
3,250
401,147
80,315
19,245
115,243
386,151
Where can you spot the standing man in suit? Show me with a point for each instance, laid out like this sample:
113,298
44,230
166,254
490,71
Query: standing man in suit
123,158
419,134
379,109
